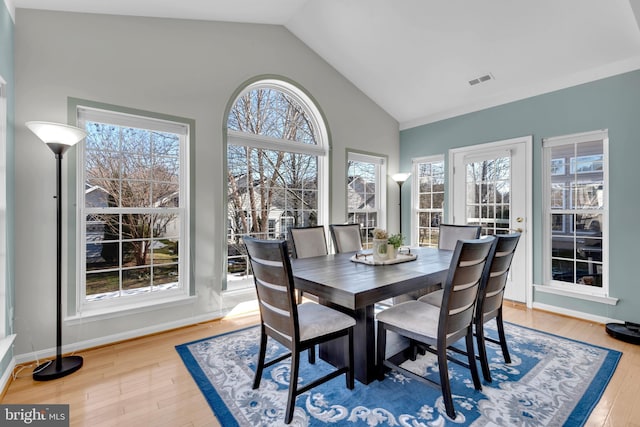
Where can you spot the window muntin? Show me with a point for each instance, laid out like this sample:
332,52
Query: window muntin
488,192
366,193
576,217
133,210
428,176
276,150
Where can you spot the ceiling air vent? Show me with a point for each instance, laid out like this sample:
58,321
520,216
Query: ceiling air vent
481,79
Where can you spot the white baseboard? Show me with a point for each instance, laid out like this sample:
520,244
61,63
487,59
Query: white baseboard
110,339
7,374
574,313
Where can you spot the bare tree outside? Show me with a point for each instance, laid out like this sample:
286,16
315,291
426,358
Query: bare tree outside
488,194
269,190
130,174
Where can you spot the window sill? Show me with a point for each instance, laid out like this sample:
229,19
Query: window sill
5,345
550,289
141,307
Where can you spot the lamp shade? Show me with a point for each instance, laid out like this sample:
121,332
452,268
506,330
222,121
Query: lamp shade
57,136
400,177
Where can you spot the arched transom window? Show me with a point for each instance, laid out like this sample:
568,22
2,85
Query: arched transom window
276,168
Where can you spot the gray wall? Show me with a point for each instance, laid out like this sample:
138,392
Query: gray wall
612,103
177,67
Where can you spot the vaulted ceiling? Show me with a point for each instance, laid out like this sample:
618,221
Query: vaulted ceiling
426,60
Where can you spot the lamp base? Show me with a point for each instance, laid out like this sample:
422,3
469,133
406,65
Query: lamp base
628,332
52,370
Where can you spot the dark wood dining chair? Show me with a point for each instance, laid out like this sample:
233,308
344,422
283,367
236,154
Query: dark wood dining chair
439,327
346,237
307,242
490,298
296,327
448,236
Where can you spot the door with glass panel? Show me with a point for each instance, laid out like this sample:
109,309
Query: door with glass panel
491,188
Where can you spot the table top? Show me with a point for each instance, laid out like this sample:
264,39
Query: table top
337,279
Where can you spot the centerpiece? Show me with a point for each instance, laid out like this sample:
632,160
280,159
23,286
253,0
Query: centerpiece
385,246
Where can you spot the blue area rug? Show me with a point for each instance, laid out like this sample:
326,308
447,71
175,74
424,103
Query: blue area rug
552,381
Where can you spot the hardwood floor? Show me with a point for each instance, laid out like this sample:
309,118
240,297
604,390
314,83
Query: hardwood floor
143,382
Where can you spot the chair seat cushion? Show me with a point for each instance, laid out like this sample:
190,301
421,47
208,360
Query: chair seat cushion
434,298
316,320
413,316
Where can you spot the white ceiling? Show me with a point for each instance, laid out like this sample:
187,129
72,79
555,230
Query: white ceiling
415,58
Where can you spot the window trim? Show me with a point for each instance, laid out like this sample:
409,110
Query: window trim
77,307
565,288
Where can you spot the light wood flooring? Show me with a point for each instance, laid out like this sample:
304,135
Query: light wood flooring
142,382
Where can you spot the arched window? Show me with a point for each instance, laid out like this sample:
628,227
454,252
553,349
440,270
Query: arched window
277,147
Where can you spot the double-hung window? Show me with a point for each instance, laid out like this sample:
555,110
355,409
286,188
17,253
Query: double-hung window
576,212
366,193
428,196
133,209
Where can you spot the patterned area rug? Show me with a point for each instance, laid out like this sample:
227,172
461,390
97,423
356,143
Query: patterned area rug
552,381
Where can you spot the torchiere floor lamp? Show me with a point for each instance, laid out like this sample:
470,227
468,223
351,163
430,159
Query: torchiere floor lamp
400,178
59,137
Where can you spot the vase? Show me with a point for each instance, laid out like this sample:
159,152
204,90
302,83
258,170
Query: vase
392,252
379,249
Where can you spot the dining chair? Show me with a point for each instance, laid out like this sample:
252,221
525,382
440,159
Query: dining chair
448,236
490,298
296,327
346,237
439,327
307,242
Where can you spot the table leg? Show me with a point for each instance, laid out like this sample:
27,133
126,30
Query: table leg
364,339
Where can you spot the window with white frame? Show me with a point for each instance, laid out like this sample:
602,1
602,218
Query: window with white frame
277,146
428,184
3,208
576,218
366,193
133,208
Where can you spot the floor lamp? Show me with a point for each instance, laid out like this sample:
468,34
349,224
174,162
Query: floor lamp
59,138
400,178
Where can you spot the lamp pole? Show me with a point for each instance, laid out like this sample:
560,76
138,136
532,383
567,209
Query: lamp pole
59,138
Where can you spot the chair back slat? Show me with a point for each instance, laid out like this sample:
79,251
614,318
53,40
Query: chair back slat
461,288
274,287
449,234
346,237
493,285
308,241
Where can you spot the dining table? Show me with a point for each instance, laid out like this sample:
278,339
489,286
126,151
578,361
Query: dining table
355,288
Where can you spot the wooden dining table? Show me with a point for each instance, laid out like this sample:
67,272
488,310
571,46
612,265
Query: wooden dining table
355,288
